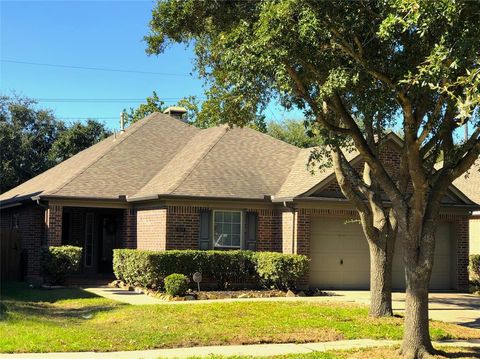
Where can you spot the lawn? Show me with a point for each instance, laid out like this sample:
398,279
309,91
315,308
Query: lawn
41,320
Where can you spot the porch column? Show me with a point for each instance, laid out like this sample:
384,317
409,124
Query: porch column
54,216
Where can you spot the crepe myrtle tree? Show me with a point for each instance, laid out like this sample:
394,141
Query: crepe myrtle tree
357,69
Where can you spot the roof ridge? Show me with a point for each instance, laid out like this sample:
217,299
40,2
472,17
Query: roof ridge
127,134
195,165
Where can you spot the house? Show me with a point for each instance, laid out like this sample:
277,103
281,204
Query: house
162,184
470,185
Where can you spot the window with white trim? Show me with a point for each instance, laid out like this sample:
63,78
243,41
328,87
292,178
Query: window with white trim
227,229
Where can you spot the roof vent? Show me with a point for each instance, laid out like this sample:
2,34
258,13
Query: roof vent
177,112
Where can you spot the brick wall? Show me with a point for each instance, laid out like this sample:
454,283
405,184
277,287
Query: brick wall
54,225
151,228
182,227
269,236
30,224
128,230
461,225
289,228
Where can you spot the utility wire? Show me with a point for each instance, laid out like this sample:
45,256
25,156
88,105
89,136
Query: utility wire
93,68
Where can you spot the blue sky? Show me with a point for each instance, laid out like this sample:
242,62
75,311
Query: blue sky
101,34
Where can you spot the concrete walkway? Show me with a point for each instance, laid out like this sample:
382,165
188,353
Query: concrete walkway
458,308
258,350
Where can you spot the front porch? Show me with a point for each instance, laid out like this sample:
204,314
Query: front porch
98,230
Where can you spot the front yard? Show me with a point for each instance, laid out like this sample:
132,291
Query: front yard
40,320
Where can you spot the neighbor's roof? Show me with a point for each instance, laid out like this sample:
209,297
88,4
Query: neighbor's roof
161,155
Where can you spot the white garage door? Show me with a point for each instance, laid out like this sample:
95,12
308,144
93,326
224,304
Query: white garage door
340,257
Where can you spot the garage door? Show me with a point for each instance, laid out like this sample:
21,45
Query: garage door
340,257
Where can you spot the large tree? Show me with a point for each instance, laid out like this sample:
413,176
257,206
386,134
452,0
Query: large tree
357,68
32,140
75,138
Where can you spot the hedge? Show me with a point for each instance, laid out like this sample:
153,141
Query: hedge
176,284
58,262
475,267
149,268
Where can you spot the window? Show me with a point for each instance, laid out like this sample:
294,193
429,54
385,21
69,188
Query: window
227,229
89,228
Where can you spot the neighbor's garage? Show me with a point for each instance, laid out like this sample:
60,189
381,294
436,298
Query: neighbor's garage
340,257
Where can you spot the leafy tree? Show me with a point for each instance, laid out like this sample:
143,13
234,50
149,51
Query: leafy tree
153,104
26,137
356,68
292,132
32,140
76,138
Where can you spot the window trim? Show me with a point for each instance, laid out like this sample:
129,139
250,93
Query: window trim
242,229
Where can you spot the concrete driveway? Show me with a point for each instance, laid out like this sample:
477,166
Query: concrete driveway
458,308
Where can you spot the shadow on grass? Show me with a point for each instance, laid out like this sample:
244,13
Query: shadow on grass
24,299
23,292
461,353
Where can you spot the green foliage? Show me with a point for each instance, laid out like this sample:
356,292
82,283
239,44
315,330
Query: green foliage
76,138
32,140
226,268
26,137
60,262
293,132
176,284
474,267
153,104
281,270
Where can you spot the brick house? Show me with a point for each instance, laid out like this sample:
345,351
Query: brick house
162,184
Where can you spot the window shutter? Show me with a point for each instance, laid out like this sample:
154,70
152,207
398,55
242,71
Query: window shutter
251,231
205,241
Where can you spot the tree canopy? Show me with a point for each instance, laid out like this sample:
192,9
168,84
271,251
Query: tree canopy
32,140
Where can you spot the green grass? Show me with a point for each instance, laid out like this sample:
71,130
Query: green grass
40,320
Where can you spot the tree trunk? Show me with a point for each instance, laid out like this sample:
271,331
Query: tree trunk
418,268
381,258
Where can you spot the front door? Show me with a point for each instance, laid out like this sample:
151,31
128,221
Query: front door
107,241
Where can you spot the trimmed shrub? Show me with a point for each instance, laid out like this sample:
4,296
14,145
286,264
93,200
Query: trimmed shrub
148,269
282,271
60,262
176,284
474,267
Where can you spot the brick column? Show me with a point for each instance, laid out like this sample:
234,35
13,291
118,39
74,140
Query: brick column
461,234
129,228
54,215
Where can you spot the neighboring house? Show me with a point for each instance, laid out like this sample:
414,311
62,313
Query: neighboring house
470,185
163,184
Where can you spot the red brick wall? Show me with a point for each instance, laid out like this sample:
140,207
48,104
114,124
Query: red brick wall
128,230
183,227
151,228
269,236
54,225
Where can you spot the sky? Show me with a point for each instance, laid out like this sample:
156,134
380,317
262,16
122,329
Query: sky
95,34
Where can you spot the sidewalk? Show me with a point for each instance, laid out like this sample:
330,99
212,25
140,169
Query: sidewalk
259,350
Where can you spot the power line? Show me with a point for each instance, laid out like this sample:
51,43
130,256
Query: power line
93,68
164,99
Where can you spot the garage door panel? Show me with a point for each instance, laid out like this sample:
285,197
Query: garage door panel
334,241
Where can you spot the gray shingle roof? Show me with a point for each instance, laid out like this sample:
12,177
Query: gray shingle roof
469,183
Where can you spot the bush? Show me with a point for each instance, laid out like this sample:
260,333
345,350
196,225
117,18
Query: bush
475,267
176,284
149,268
281,270
60,262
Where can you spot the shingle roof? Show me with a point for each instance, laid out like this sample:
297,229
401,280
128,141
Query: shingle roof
469,183
161,155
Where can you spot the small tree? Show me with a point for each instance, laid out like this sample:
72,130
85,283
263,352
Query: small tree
357,69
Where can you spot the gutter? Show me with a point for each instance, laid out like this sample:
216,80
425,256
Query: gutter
189,197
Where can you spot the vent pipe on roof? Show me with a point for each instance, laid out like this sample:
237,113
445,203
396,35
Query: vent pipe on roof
122,121
177,112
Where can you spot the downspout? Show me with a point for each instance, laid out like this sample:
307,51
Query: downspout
294,215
